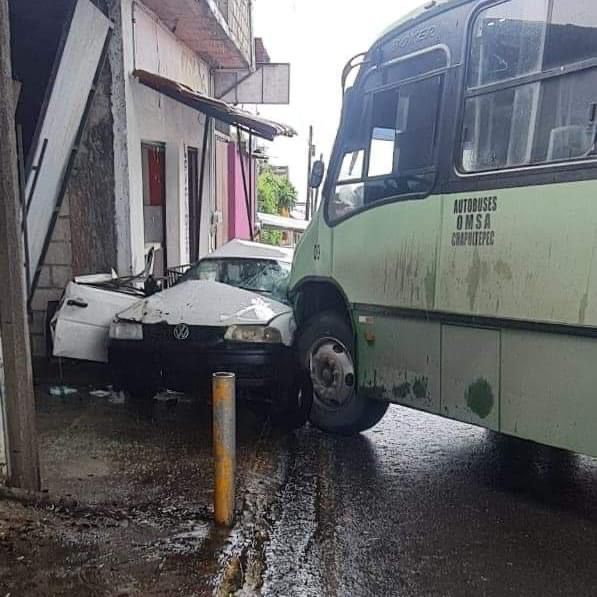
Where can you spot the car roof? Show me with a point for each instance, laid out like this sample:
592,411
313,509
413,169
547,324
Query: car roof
244,249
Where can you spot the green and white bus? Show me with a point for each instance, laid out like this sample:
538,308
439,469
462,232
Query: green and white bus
452,264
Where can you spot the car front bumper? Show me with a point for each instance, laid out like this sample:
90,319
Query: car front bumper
188,367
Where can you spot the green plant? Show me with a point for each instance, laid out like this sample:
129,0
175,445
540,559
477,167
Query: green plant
275,195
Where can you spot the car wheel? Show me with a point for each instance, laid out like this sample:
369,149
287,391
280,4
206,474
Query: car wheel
326,350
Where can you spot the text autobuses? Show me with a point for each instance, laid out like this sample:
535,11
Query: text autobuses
474,222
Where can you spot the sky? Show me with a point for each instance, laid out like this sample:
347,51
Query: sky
317,37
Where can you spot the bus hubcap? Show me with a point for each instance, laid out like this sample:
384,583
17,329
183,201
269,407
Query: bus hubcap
332,372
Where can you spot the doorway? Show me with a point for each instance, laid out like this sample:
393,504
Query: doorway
194,203
154,203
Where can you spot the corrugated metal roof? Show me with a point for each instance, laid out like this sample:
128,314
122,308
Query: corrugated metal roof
261,127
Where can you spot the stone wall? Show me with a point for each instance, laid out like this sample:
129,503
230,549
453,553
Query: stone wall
55,275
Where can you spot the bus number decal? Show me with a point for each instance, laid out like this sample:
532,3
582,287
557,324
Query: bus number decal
474,219
316,252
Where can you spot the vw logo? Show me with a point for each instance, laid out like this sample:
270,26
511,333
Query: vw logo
182,332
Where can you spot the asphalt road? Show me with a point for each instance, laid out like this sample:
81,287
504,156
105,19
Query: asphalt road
425,506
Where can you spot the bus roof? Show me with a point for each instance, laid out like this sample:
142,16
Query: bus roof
428,9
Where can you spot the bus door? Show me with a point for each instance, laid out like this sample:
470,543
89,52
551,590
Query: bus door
387,227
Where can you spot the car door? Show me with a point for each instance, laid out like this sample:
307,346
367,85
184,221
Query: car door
81,325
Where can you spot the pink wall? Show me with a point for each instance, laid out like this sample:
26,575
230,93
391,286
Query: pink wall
238,222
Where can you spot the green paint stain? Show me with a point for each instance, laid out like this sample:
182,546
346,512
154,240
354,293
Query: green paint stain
479,397
420,387
430,279
503,270
582,311
402,391
473,279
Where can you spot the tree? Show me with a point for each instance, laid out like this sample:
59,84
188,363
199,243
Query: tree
275,195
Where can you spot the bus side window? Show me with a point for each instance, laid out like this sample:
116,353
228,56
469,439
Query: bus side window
539,121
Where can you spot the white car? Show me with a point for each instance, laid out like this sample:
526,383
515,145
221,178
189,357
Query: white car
229,312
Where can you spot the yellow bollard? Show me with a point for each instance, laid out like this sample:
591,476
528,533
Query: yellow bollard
224,438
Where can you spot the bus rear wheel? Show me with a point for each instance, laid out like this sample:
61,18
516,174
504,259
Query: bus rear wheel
326,350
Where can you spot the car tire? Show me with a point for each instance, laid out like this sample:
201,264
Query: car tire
326,351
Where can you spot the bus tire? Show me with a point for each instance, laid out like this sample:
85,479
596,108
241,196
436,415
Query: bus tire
326,349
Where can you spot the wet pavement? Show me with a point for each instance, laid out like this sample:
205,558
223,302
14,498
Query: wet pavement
425,506
418,506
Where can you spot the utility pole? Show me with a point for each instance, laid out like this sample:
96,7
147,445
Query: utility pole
23,458
310,165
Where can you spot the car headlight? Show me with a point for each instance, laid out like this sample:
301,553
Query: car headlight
257,334
126,330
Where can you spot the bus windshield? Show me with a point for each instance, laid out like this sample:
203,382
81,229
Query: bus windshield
392,153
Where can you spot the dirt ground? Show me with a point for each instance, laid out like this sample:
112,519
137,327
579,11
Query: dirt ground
128,498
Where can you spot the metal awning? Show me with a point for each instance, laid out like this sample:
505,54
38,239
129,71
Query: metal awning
282,223
261,127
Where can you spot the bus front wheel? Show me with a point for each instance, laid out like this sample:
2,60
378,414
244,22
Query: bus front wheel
326,350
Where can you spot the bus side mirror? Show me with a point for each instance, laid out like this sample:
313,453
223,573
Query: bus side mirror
317,173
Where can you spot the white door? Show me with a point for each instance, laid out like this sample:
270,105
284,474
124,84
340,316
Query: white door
82,323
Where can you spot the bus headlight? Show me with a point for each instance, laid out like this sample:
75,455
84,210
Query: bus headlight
255,334
126,330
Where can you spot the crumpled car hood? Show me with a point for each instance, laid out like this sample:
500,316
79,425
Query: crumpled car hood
203,302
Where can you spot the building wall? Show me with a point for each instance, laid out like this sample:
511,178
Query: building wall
157,50
56,272
90,190
239,21
152,117
238,222
101,225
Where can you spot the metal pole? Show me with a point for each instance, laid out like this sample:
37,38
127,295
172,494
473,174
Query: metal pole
251,203
309,166
224,439
19,398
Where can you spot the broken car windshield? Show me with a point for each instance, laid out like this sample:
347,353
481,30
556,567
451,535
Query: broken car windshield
256,275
